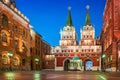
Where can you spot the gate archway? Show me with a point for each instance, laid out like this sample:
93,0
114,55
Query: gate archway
66,64
88,64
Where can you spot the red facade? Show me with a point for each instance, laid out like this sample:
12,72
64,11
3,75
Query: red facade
110,35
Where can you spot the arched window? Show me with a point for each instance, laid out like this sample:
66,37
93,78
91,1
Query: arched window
23,62
4,59
15,61
23,46
16,43
4,20
4,37
15,28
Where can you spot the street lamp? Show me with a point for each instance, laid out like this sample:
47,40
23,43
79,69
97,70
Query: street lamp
103,57
36,61
10,55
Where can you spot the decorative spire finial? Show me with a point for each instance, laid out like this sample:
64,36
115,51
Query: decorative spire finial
87,21
69,19
88,7
69,8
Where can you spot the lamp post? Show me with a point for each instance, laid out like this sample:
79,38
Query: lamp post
36,61
10,55
103,57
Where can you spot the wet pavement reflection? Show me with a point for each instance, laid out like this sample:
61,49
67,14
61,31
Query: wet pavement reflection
58,75
20,75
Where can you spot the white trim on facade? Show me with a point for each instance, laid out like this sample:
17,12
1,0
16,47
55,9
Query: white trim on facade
58,68
112,69
16,16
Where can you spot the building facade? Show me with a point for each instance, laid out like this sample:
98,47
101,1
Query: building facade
110,36
21,48
71,55
35,50
47,57
14,37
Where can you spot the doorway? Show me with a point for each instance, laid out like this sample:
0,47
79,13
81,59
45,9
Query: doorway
66,65
31,65
88,65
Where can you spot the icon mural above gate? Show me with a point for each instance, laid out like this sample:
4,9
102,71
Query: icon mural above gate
75,63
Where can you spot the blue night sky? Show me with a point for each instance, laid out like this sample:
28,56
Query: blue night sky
49,16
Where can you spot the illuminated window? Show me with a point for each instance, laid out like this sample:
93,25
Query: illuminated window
4,20
16,43
4,59
108,59
15,61
23,46
111,58
4,37
16,29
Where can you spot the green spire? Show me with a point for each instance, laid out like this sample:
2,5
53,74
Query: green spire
69,19
87,21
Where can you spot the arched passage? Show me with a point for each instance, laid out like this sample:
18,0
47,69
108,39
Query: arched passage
88,64
66,64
